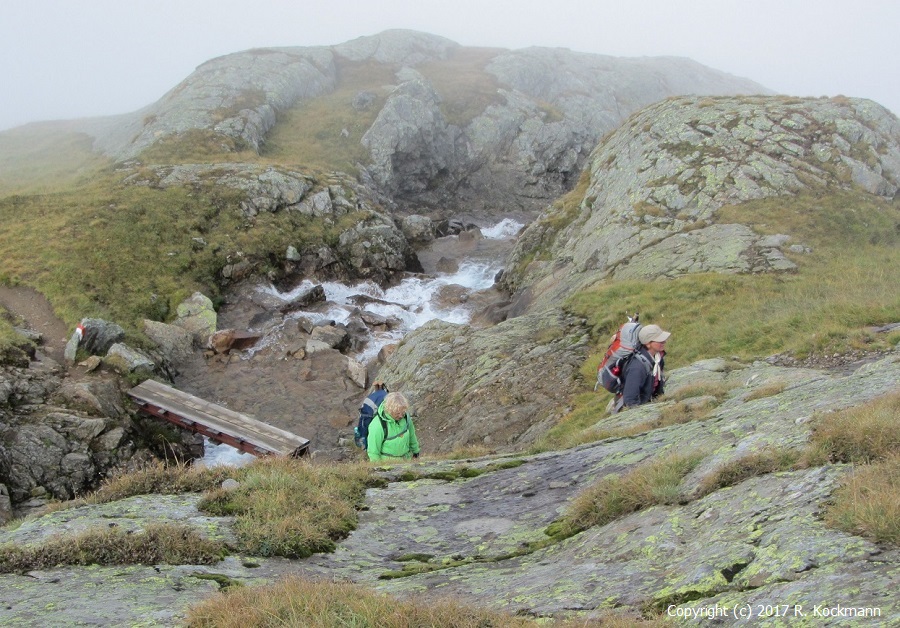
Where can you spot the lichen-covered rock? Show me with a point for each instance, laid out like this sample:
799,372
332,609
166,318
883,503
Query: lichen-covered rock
174,342
410,141
376,249
96,396
418,229
760,542
197,315
500,387
127,360
60,452
658,181
234,97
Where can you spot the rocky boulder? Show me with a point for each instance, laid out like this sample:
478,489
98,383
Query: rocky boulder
99,335
500,387
58,438
418,229
174,342
410,141
657,182
197,316
376,249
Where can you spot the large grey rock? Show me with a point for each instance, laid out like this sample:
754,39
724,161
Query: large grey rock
304,300
6,512
410,141
197,316
129,360
174,342
332,335
99,335
97,396
377,249
58,451
657,184
501,386
27,386
418,229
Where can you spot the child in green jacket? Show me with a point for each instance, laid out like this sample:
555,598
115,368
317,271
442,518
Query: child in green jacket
400,440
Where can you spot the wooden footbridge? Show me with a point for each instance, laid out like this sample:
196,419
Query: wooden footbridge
215,422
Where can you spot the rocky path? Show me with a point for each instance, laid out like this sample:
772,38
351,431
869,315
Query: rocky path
761,542
37,314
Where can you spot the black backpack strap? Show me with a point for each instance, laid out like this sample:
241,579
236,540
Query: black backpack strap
399,434
645,360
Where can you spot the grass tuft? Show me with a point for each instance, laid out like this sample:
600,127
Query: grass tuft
295,602
282,506
867,502
769,390
650,484
857,435
732,473
291,508
160,479
163,543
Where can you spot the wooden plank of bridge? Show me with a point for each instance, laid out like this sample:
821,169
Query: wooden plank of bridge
216,422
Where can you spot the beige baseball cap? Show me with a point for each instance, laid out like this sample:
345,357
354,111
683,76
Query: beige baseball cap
652,333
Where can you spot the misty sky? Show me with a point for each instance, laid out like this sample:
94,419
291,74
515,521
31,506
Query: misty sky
62,59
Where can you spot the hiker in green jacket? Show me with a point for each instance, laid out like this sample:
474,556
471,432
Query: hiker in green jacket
400,440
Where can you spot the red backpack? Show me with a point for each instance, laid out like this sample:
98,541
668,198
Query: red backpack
624,344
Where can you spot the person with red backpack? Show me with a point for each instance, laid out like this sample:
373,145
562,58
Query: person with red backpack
643,378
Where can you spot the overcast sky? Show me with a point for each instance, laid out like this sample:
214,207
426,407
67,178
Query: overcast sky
62,59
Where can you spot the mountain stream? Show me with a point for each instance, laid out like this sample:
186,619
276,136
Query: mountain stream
311,397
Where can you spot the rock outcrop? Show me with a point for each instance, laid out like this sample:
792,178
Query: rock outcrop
58,439
500,387
657,182
537,115
369,244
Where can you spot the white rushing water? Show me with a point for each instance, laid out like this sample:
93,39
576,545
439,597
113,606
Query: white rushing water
413,302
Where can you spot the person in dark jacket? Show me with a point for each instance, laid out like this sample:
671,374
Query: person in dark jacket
644,371
367,410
